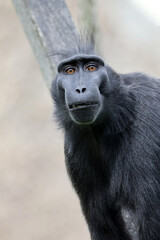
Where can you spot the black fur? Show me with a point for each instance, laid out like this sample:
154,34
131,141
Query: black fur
114,163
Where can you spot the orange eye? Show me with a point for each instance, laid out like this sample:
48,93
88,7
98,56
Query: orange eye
70,71
91,68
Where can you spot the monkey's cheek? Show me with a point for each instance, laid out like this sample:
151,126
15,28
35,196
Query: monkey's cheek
85,116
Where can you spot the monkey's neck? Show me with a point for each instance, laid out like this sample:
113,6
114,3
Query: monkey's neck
91,157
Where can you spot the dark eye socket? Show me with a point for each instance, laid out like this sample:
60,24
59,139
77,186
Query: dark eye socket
91,67
70,70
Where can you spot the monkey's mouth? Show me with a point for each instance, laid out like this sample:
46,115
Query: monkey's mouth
82,105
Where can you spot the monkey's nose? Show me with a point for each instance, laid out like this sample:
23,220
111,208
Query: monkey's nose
81,89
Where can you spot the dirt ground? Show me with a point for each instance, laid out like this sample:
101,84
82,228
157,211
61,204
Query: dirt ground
36,198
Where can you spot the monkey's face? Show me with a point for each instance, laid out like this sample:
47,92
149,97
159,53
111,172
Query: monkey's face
80,79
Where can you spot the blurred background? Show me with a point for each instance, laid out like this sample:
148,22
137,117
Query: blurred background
36,197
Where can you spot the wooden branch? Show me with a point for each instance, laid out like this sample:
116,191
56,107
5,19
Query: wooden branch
49,27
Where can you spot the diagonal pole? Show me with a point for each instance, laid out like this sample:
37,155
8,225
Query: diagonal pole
49,27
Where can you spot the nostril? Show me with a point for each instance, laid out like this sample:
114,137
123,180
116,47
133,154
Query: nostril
77,90
83,90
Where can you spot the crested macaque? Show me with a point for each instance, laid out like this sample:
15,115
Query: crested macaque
111,125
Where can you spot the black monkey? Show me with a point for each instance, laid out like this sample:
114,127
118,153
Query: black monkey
111,125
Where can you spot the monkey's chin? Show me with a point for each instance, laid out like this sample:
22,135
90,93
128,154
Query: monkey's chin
85,116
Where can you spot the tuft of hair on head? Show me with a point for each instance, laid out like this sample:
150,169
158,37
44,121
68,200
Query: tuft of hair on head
82,43
85,42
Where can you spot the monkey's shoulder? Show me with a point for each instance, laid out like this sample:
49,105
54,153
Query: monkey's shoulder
140,79
145,88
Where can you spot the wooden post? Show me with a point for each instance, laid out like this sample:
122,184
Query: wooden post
49,27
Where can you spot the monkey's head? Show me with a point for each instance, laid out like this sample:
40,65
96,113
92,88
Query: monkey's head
79,80
87,92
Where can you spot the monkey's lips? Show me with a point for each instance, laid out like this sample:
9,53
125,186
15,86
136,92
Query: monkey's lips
84,113
82,105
